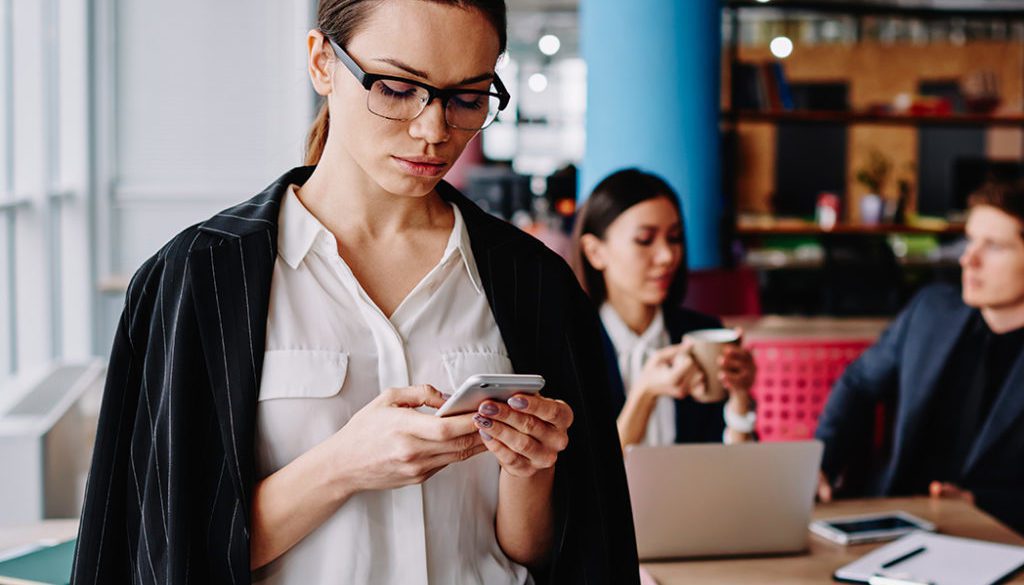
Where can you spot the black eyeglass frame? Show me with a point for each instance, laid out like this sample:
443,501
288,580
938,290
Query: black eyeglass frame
368,79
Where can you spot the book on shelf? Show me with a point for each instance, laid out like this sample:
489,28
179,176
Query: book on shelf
761,86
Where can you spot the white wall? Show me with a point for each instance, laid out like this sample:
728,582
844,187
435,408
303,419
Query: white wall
209,102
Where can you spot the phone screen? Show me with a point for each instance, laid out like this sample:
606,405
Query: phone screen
873,525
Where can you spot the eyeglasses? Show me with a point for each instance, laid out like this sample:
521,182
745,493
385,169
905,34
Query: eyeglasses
398,98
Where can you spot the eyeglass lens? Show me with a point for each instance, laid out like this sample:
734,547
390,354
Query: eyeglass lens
404,101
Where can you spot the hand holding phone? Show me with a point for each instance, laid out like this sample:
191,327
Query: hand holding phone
481,387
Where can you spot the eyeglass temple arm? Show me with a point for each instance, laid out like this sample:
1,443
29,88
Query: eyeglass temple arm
349,63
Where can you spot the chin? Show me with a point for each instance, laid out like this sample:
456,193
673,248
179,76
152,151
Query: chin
408,186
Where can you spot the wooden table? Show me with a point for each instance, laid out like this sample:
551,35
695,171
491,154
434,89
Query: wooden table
791,327
955,518
952,517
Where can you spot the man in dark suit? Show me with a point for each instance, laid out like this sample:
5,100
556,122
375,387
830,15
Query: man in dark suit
952,364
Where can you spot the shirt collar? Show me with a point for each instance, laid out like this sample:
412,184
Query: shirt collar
300,230
459,241
624,339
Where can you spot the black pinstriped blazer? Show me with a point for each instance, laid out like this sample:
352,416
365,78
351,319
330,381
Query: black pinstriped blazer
173,471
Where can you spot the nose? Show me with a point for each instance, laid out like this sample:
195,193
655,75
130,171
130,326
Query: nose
970,257
430,125
664,254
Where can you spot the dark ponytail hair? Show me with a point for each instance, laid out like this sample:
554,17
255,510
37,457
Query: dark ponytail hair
610,199
340,19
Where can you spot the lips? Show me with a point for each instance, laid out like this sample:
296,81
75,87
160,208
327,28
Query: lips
663,281
422,166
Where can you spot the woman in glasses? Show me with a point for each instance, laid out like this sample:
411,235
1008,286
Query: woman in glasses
268,413
630,256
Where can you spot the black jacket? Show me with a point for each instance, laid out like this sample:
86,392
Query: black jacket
696,422
903,367
172,477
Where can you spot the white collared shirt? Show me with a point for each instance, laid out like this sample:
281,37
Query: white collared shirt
329,352
632,352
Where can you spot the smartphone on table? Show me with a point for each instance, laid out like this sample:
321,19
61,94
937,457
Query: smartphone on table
497,387
869,527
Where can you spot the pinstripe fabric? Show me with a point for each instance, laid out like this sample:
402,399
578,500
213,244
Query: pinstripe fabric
172,474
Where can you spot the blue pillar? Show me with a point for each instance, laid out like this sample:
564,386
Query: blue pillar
653,86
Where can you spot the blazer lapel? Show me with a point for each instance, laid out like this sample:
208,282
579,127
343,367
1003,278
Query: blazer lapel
1006,410
231,291
929,364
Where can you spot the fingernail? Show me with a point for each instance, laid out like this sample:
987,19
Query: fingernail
484,435
489,408
484,422
517,402
445,396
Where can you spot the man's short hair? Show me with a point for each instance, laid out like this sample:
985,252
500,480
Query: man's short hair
1006,196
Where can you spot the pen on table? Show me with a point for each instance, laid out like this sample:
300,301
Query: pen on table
904,557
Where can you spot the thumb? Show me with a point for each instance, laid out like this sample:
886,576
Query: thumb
414,396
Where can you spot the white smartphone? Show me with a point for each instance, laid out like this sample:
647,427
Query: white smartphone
869,527
497,387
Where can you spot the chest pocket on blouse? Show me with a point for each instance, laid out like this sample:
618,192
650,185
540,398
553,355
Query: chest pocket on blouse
463,364
302,374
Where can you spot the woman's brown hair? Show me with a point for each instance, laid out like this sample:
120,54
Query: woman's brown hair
340,19
610,199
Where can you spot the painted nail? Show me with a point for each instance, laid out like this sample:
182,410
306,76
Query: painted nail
517,402
484,435
484,422
445,396
489,408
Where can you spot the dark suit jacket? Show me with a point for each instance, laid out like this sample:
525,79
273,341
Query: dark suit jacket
904,366
169,494
696,422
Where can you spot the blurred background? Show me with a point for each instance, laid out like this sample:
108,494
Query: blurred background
823,151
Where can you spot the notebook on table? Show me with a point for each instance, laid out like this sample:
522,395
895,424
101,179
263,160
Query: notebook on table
925,557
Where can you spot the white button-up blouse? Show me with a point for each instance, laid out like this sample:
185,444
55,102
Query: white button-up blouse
329,352
632,352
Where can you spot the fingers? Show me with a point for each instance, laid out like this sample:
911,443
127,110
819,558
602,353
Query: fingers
554,412
531,425
824,488
432,428
939,489
665,355
413,396
518,454
527,434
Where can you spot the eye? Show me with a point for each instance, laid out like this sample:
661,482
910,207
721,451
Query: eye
397,89
644,241
469,101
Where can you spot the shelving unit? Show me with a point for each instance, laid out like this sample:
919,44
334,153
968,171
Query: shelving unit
822,117
871,73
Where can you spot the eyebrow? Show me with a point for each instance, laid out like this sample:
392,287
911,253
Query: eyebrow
413,71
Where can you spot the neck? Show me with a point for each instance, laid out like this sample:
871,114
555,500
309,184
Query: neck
347,200
1003,319
636,315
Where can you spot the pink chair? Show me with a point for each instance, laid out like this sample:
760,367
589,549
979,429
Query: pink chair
794,378
723,292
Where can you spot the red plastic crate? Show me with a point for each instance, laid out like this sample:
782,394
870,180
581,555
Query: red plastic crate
794,378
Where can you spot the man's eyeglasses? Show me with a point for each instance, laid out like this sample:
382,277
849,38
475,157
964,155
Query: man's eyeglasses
398,98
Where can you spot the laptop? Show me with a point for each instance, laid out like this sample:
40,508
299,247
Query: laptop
704,500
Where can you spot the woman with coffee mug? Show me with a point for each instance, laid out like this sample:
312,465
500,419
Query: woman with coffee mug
629,255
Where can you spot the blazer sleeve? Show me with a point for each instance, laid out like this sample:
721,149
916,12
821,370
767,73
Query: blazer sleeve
103,554
873,377
595,539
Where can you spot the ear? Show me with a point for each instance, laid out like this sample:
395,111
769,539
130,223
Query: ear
320,62
593,250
